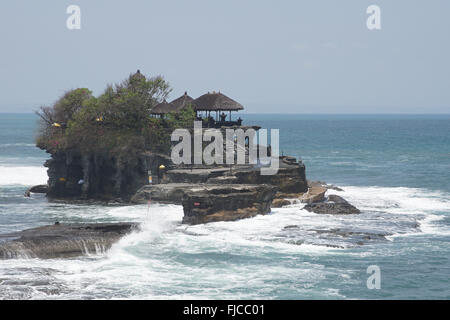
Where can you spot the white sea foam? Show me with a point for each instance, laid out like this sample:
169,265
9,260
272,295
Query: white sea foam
426,206
396,200
431,225
17,145
26,176
242,259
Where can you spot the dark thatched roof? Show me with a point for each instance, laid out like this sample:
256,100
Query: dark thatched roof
216,101
175,106
183,102
162,108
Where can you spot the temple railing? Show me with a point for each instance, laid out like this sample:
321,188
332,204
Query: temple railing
211,123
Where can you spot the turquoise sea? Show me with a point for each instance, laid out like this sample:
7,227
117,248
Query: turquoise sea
395,168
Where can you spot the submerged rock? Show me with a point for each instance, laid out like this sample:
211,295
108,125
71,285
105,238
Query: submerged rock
345,237
42,188
356,237
63,240
334,205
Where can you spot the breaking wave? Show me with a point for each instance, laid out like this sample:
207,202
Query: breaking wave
280,255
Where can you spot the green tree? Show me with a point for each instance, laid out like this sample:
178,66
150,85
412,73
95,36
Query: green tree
116,124
53,120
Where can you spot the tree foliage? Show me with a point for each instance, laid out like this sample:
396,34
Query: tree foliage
116,123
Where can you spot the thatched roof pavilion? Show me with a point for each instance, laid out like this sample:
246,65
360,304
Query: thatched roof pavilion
219,103
175,106
183,101
216,101
162,108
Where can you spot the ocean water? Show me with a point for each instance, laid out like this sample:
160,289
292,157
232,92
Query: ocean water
395,168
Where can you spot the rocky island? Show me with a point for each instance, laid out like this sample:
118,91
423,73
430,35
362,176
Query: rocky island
117,147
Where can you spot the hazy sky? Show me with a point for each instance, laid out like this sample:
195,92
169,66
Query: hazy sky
312,56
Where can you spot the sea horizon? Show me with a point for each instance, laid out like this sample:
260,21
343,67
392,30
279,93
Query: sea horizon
302,113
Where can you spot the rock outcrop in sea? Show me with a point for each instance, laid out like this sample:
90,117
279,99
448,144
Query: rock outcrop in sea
207,193
116,147
223,194
333,204
63,240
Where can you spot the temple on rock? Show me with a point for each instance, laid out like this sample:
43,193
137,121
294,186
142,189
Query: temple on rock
216,103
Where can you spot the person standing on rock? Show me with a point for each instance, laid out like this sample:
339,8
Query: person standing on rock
161,172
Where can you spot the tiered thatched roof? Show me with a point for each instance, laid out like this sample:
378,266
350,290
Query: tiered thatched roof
216,101
175,106
183,102
162,108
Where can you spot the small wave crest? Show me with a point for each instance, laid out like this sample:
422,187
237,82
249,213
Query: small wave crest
397,199
427,207
166,259
17,145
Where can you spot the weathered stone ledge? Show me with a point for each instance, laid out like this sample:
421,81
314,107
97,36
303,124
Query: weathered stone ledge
333,204
204,203
226,202
63,240
163,193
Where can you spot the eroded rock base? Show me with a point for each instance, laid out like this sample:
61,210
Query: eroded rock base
63,240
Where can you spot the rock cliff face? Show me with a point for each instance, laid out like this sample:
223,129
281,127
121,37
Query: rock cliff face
226,202
106,178
74,176
218,193
204,203
290,179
